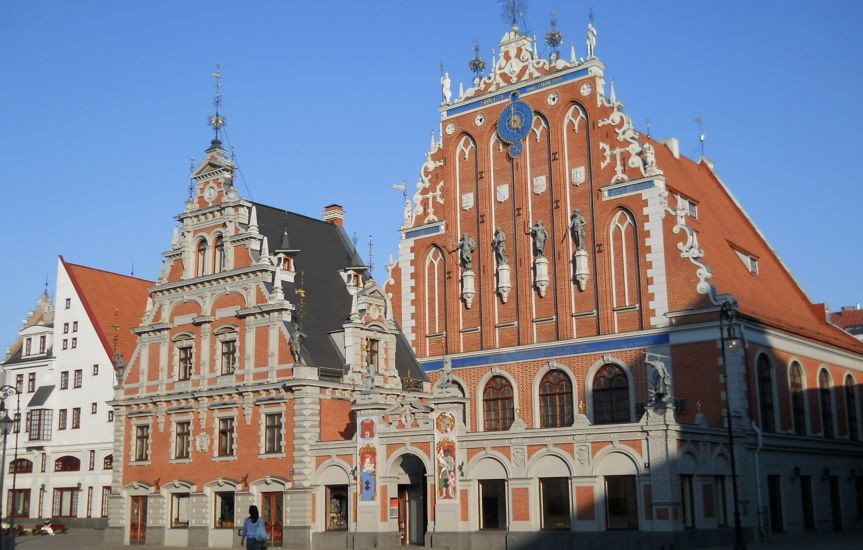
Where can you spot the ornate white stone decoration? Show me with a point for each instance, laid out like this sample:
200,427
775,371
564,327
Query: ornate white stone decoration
479,120
539,185
552,98
577,175
502,192
581,269
586,88
640,156
450,129
467,201
503,282
540,278
606,154
468,290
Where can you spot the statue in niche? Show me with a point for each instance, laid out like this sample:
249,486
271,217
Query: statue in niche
577,225
445,85
466,247
498,243
446,373
540,236
369,379
660,380
296,342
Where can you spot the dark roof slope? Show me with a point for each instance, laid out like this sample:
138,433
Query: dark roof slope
324,250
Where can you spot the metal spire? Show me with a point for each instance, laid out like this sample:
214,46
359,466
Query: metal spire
217,121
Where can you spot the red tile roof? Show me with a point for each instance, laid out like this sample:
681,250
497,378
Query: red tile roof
115,304
847,318
770,296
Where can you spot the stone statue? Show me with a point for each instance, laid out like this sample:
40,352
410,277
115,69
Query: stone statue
660,380
446,373
540,236
445,84
369,379
577,225
296,341
466,247
498,243
591,40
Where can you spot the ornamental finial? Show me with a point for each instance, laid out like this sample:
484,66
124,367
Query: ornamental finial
554,38
217,121
513,11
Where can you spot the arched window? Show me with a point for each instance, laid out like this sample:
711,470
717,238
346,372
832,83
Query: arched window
21,466
108,462
435,308
201,258
826,403
555,400
798,405
219,255
497,402
851,406
67,464
610,396
765,394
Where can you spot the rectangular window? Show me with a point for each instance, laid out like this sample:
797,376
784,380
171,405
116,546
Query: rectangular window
65,343
43,343
74,326
721,501
40,425
19,383
92,465
65,503
74,343
65,328
93,408
95,370
273,433
31,382
44,463
18,502
224,510
79,377
372,353
621,502
61,419
185,368
554,496
76,418
142,441
28,344
89,502
64,380
687,500
68,303
111,415
226,437
183,440
179,510
492,504
229,356
337,508
106,493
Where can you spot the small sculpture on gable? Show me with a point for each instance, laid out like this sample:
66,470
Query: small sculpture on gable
445,85
498,243
296,342
577,225
466,248
540,236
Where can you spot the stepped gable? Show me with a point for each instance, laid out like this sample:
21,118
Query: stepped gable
109,299
723,229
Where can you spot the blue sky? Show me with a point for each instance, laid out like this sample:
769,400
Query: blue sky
103,104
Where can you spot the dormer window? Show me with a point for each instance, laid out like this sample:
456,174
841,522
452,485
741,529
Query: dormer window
750,261
43,340
201,258
28,345
219,255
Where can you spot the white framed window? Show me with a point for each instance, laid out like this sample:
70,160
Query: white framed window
180,510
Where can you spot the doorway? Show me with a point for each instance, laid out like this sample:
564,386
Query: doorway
835,503
138,520
774,490
272,514
412,498
808,504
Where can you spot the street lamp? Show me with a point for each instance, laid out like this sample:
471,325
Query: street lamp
727,315
5,426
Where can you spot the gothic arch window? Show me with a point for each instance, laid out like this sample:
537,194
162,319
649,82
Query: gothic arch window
610,395
219,255
435,302
798,404
624,260
497,402
575,117
201,258
465,147
851,406
826,400
555,400
765,394
539,126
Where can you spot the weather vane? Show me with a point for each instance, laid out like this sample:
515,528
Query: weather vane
513,11
217,121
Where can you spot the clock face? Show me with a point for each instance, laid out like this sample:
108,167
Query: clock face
514,122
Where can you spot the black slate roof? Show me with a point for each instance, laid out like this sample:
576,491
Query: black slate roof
324,250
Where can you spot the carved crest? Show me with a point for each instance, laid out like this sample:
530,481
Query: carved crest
502,192
578,175
467,201
539,185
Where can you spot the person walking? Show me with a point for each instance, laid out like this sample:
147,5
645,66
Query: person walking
254,532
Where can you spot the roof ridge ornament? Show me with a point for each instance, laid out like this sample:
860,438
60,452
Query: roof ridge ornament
217,121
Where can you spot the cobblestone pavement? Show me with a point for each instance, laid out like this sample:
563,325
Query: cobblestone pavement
851,538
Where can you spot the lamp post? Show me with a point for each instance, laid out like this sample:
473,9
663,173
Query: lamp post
727,316
5,426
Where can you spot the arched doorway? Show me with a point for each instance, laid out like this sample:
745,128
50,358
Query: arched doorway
412,495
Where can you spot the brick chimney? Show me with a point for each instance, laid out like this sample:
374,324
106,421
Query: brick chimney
334,214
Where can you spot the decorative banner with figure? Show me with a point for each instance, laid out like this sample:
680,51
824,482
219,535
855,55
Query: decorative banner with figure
446,480
368,472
